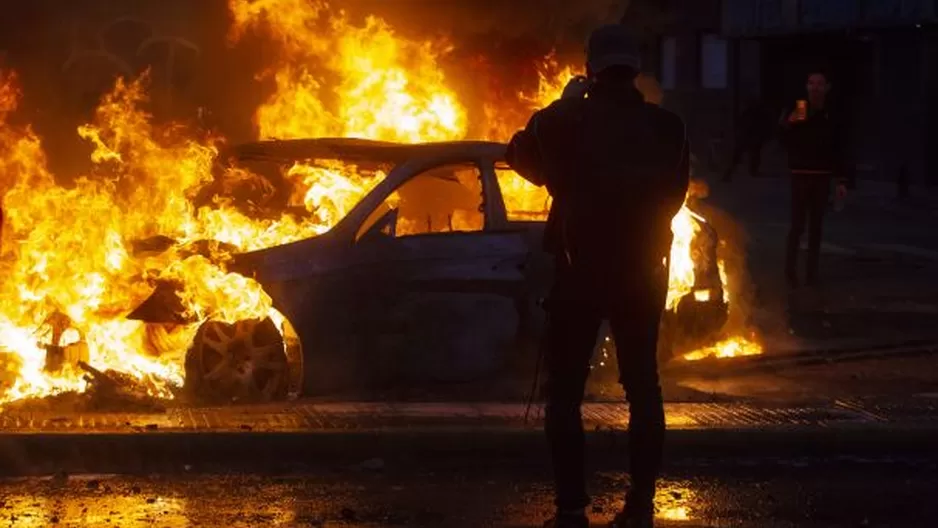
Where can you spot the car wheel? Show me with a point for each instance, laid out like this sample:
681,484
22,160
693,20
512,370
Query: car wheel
240,362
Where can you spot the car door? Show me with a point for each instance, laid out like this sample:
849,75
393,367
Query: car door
525,208
436,275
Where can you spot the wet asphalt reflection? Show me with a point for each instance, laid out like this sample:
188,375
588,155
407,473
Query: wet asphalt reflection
791,494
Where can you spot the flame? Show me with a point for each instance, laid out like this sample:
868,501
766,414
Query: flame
389,88
71,264
65,255
735,346
331,189
523,200
68,251
526,202
681,263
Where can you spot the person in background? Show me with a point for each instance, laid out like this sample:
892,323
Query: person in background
753,131
814,137
617,168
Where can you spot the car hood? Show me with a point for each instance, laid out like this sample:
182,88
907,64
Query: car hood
315,254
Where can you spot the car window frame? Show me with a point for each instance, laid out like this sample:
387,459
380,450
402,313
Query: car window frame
502,166
486,173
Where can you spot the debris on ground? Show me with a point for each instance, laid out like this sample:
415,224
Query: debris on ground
107,390
112,390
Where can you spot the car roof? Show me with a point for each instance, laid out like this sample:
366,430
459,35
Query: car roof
360,150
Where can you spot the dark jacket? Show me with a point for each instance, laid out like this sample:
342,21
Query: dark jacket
816,144
618,171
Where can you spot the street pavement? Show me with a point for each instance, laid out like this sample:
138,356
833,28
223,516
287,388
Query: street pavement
752,443
475,492
879,262
317,435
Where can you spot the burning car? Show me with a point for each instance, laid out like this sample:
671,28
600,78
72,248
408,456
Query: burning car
163,262
435,274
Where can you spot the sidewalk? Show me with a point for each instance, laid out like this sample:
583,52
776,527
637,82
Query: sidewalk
868,196
867,192
376,417
303,434
879,262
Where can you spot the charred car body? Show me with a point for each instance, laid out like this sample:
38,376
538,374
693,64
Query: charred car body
427,278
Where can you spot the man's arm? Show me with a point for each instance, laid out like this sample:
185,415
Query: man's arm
526,149
524,154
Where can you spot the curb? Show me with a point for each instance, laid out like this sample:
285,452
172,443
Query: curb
23,454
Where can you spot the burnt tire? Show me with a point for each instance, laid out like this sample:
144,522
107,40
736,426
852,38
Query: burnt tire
243,362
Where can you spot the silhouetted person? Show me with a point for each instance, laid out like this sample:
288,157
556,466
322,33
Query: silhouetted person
814,137
753,130
617,168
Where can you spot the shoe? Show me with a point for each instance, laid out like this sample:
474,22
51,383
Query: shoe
638,512
568,520
629,520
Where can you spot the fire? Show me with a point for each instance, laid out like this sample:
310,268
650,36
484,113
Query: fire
75,257
71,269
526,202
388,87
681,277
69,252
331,189
392,89
736,346
523,200
552,79
67,270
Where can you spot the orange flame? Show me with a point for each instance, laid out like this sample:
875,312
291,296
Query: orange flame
389,88
526,202
70,266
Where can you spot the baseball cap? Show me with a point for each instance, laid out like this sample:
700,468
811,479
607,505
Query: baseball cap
612,45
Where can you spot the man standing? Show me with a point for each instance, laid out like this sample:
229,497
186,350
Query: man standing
814,137
617,168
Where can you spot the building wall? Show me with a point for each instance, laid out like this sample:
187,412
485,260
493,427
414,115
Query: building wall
930,81
883,59
681,48
901,90
742,18
882,83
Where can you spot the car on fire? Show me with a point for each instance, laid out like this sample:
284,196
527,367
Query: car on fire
430,277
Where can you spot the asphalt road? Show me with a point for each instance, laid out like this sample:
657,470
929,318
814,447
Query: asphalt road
872,214
738,493
879,262
873,219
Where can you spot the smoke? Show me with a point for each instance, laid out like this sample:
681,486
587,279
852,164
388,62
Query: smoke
556,22
731,251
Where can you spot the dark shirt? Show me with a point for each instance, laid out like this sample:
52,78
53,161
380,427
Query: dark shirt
815,145
618,170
